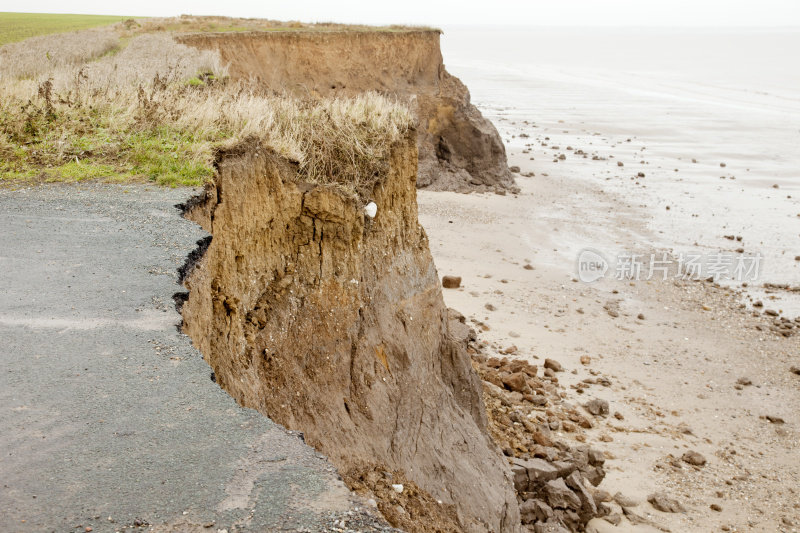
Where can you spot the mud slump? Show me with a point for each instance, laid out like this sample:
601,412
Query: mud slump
333,324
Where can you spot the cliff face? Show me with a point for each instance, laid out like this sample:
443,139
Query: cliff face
458,148
334,324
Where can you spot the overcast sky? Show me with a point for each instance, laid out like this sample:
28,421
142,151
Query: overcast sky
452,12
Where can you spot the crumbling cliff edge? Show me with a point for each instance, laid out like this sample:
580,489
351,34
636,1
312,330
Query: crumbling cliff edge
333,324
458,148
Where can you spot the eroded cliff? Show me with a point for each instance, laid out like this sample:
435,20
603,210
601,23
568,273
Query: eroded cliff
458,148
333,324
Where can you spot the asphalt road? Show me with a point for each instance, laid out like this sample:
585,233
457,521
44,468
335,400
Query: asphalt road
109,417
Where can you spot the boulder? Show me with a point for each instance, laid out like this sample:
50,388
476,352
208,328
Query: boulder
588,509
516,382
557,494
597,407
534,510
666,504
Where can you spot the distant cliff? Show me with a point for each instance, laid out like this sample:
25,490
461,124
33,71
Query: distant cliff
459,149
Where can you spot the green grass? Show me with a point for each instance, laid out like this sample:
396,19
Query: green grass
74,145
16,27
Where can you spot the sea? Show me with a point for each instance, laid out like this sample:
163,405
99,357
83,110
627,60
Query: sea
710,116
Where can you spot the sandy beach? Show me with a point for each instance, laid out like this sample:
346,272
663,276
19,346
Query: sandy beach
692,365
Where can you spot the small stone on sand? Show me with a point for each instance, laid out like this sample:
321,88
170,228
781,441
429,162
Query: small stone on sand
694,458
451,282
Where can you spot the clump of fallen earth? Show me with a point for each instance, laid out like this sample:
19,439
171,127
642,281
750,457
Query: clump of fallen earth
401,501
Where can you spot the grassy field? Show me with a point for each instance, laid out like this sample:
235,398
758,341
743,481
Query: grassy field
129,103
16,27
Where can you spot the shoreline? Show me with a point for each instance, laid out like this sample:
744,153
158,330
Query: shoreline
698,146
674,366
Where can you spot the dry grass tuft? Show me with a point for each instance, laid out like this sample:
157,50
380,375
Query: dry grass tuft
158,110
47,53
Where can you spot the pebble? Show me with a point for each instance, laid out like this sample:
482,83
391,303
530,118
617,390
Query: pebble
665,503
597,407
553,365
716,507
398,488
451,282
775,419
694,458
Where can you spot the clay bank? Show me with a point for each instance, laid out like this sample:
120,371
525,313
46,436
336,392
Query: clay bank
333,323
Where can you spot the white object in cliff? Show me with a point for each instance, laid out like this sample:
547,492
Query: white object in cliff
371,210
398,488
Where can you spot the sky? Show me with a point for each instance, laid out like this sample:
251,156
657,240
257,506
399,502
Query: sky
669,13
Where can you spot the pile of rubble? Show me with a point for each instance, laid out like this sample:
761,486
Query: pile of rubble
401,501
555,482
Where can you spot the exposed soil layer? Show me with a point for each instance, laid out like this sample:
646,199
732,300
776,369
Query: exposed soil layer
459,149
333,324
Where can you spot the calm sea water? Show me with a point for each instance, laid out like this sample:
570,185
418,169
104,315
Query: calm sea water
715,96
